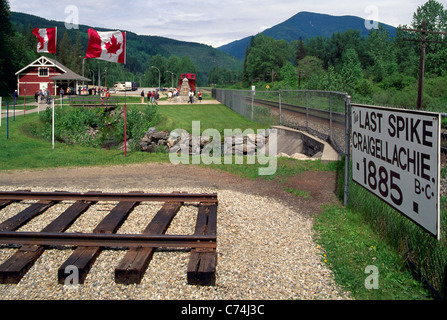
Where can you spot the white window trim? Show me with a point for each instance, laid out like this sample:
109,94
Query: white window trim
46,68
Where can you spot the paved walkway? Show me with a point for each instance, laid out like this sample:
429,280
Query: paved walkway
19,107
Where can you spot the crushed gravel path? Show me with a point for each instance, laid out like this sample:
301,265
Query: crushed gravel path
265,236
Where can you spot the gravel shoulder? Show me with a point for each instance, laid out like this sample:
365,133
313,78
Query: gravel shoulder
265,237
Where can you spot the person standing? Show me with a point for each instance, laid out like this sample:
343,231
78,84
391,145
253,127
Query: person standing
15,95
142,96
200,96
48,96
156,97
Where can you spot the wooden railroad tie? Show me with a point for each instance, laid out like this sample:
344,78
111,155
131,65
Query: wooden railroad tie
140,247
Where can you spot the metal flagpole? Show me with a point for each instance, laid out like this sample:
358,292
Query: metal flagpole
24,104
55,95
125,123
125,105
52,139
54,71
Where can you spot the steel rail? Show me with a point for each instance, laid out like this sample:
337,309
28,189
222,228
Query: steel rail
98,196
107,240
320,114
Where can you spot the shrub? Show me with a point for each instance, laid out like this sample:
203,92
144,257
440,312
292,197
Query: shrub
138,122
364,87
72,125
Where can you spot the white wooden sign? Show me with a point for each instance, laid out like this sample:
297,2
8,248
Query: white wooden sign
396,156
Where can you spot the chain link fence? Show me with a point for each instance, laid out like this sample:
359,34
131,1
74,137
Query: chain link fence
320,113
327,115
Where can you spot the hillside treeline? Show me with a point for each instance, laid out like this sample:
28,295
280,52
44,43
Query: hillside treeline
18,49
376,69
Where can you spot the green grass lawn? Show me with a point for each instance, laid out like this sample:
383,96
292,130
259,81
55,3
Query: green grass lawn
351,246
217,117
21,151
348,242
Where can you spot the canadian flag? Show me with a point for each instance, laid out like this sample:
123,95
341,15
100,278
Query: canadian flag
46,38
109,46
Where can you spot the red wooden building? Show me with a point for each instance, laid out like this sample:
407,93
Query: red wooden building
46,73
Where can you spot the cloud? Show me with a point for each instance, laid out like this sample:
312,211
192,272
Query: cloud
213,22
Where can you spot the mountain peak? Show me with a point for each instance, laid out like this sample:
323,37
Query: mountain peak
306,25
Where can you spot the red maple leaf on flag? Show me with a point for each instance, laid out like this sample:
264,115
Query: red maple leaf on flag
113,46
41,41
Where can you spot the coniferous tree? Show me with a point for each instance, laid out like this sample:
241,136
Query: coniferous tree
351,71
64,50
77,55
7,78
245,77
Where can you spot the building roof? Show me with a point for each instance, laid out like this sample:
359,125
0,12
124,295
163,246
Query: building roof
67,74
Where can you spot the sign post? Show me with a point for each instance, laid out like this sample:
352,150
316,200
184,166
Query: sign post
396,156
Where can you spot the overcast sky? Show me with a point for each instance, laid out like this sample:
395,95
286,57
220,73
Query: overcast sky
212,22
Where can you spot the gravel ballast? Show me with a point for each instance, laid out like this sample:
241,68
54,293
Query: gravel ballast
265,251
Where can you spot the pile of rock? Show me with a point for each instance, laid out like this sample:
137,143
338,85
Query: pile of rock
181,141
154,140
245,145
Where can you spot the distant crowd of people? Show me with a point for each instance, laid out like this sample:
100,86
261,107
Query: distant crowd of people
43,95
154,96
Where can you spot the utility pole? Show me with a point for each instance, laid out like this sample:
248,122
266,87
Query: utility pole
423,41
300,74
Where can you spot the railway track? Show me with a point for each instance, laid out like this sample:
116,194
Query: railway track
337,118
140,248
312,112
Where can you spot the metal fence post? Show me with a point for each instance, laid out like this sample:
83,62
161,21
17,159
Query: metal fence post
252,101
330,117
307,112
280,111
347,147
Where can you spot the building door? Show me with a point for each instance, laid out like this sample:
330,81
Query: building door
43,86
